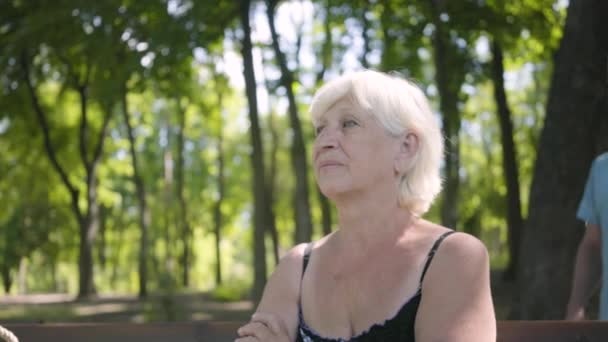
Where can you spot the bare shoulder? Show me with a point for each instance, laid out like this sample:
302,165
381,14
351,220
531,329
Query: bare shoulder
282,290
294,255
284,282
462,249
461,259
456,293
456,251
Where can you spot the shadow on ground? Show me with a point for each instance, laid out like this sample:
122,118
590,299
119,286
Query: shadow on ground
157,308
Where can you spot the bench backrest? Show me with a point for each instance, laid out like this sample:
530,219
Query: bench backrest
508,331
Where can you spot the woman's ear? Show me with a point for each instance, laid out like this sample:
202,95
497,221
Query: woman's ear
408,150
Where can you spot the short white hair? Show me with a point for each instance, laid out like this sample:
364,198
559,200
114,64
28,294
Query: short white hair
400,107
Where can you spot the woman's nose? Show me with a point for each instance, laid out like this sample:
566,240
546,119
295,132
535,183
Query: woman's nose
328,139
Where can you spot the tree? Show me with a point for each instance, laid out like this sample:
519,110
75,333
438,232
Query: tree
509,161
261,217
88,219
303,231
575,126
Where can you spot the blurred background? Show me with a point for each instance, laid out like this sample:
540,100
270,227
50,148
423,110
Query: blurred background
155,155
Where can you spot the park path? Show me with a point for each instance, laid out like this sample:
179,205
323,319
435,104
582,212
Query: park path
120,308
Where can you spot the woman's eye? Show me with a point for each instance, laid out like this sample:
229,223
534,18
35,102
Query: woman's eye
318,129
349,123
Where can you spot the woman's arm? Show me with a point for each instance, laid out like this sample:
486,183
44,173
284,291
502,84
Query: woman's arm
276,317
456,300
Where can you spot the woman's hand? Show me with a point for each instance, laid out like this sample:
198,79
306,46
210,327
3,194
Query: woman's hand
263,327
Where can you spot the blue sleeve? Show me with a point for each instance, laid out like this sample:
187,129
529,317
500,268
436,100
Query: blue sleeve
587,206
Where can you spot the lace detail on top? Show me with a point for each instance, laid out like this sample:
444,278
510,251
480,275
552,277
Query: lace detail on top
400,327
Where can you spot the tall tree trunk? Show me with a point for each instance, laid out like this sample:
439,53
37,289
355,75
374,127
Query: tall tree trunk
168,215
365,26
89,220
183,208
261,220
272,169
299,156
327,47
102,243
144,215
217,210
117,243
448,87
326,220
388,40
270,187
90,226
509,162
22,277
7,280
52,267
575,125
325,63
167,262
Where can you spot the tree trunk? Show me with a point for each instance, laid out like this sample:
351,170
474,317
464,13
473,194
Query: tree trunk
257,159
89,221
217,210
575,126
144,215
52,267
325,213
7,280
448,86
271,171
183,208
388,40
509,162
168,215
22,277
101,247
365,26
299,156
326,220
270,188
117,242
327,47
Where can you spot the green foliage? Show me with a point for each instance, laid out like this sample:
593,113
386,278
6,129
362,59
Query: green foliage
232,290
170,58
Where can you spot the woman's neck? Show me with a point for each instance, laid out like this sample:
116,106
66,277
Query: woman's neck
368,222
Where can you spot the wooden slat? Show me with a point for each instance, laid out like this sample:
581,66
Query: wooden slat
556,331
508,331
126,332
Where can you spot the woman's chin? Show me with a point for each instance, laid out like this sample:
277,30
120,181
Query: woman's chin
332,192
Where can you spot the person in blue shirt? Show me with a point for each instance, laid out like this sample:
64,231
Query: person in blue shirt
591,268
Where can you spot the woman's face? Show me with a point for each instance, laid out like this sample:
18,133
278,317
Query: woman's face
352,152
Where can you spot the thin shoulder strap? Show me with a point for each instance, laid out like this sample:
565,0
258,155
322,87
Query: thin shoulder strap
305,259
432,252
304,265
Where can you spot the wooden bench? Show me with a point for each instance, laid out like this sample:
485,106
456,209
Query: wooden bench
508,331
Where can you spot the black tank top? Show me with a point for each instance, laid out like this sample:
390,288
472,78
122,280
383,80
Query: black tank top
397,328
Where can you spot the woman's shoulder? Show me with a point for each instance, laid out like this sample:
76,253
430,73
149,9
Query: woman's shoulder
282,289
291,262
456,291
456,245
288,262
458,253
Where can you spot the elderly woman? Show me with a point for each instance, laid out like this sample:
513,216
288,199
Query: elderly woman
386,274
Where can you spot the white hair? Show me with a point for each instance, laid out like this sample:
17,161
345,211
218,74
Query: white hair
400,107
